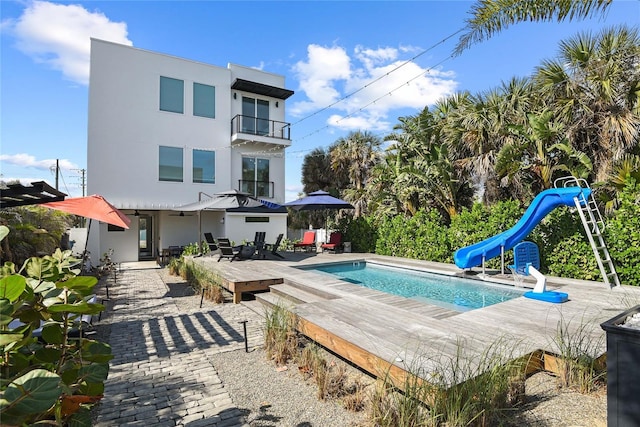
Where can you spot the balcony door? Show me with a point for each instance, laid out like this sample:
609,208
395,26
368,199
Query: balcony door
255,116
255,177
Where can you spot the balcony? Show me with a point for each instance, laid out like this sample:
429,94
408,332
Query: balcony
262,189
247,128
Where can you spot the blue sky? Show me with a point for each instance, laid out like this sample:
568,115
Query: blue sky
325,50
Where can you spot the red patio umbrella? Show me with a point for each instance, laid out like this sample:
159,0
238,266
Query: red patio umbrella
92,207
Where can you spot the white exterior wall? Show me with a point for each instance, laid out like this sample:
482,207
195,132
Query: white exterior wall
239,230
126,129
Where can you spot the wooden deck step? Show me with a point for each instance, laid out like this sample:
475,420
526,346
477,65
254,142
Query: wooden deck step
295,294
271,299
320,292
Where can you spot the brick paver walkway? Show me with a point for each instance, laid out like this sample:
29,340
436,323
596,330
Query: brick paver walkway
161,374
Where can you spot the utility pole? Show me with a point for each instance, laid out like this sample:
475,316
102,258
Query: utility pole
82,182
57,171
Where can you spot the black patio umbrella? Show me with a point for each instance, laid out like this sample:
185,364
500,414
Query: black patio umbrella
223,201
319,200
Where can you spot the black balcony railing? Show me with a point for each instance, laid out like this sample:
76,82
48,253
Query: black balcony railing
256,188
262,127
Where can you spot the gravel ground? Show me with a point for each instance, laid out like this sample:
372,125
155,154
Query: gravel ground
272,396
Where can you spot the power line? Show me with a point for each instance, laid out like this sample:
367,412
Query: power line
379,78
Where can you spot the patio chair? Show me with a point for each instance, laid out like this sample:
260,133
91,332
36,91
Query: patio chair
226,250
211,242
272,248
258,240
334,244
308,241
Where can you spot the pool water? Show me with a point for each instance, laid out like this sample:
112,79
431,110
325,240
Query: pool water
445,291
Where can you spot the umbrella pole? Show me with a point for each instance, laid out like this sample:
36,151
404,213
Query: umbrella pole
86,243
199,233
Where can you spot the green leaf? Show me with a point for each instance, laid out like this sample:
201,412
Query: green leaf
70,374
78,283
34,392
81,307
53,333
48,355
94,351
6,311
7,337
4,232
11,287
92,389
82,418
96,372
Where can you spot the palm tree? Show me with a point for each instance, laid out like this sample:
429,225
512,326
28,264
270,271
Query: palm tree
355,155
315,171
539,154
489,17
593,88
610,190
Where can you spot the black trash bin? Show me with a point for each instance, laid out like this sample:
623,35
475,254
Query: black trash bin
623,371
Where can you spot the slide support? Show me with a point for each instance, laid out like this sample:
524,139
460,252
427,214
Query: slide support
541,280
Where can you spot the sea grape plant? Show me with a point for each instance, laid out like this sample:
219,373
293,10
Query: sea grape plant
51,371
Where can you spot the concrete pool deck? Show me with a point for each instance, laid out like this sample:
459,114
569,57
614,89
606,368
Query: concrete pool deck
386,334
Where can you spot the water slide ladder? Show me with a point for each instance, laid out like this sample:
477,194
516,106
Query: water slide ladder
593,226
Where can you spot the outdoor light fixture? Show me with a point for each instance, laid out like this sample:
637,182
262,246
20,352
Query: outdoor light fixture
235,95
276,104
181,213
136,213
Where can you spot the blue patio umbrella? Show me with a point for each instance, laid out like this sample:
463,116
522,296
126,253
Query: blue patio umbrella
319,200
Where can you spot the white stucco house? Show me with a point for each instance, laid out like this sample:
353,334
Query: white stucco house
165,132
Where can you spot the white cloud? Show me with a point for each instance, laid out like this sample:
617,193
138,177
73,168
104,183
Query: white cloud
318,75
59,35
330,73
29,161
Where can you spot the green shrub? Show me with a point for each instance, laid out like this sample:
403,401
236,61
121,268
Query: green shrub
480,223
431,237
564,246
280,335
623,235
361,232
54,379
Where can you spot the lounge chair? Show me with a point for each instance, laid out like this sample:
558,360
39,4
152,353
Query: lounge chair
334,244
211,242
308,241
272,248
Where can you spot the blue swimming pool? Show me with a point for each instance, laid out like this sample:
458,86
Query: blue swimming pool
446,291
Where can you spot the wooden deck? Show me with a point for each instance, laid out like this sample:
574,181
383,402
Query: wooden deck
386,334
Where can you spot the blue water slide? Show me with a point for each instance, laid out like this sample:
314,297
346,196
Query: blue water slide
545,202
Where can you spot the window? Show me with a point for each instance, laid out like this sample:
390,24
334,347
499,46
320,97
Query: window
170,164
256,219
204,166
171,95
255,176
255,116
204,100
